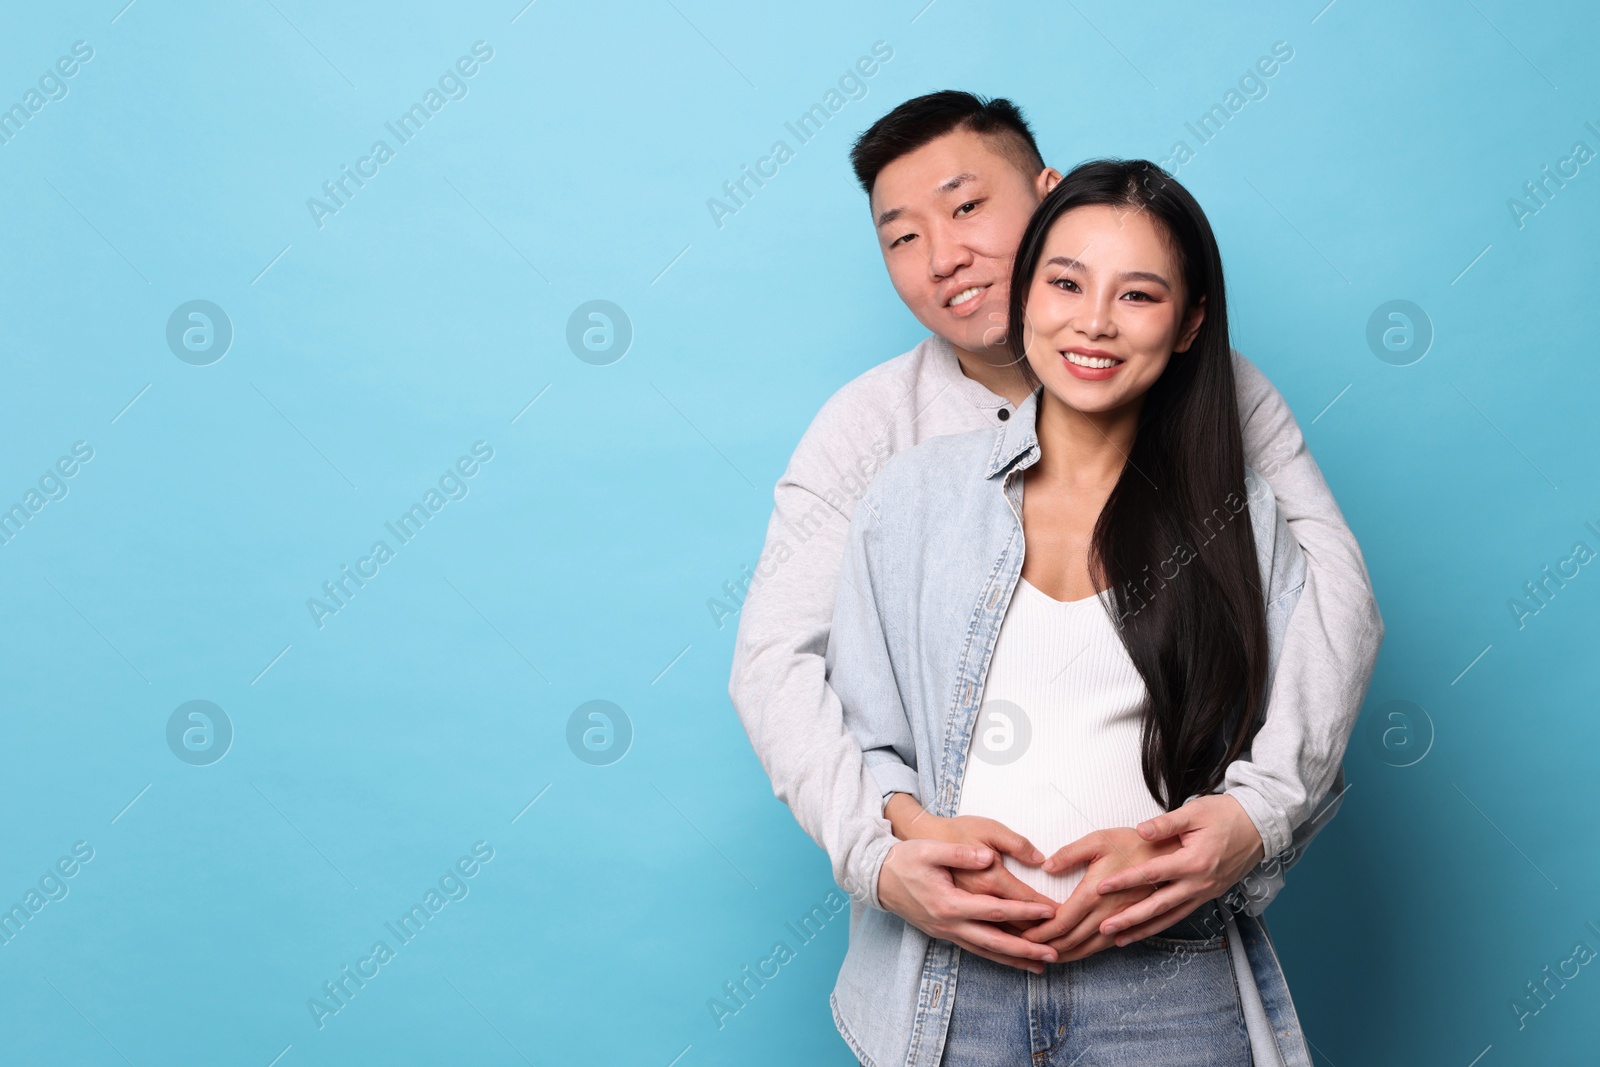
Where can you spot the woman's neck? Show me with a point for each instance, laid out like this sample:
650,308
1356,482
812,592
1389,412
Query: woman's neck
1083,448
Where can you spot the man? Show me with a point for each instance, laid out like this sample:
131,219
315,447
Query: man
951,181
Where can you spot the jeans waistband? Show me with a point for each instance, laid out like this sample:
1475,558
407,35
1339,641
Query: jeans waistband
1207,921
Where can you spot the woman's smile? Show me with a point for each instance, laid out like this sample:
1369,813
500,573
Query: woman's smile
1091,364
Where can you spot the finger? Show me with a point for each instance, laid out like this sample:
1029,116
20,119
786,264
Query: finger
986,908
1080,935
1173,822
996,881
1095,942
1093,910
991,938
1169,868
948,854
1156,904
999,957
1018,847
1083,850
1070,914
1004,839
1154,927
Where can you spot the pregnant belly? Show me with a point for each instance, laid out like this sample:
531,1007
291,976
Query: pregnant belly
1055,812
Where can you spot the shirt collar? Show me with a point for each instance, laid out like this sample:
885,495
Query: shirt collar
1016,437
947,367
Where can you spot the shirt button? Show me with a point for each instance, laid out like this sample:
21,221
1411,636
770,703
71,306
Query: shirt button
1004,413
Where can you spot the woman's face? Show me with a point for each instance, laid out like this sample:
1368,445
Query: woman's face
1105,309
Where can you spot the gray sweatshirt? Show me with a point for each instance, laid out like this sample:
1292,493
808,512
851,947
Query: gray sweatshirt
779,685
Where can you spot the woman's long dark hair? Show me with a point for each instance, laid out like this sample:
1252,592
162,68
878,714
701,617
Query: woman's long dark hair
1198,637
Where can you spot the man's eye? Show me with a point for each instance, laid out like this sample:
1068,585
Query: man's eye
902,237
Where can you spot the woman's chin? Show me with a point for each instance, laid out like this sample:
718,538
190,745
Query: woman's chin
1090,398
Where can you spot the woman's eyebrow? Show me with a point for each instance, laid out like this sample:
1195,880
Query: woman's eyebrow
1127,275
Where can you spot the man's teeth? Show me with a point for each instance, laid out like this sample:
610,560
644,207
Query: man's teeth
1096,362
965,295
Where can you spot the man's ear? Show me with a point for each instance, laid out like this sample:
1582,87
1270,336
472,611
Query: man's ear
1191,326
1046,181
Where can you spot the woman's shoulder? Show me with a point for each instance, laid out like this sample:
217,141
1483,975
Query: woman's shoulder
937,466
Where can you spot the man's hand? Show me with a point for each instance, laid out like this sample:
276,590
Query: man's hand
909,821
966,894
1073,931
1218,846
916,883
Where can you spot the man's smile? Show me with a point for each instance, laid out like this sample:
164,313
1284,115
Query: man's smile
965,301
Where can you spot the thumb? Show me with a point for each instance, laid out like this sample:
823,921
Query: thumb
1169,825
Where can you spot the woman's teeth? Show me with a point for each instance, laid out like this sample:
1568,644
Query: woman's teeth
965,295
1096,362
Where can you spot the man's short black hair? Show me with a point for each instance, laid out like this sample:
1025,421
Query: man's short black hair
924,118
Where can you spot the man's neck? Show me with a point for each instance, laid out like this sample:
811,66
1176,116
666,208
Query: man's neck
995,370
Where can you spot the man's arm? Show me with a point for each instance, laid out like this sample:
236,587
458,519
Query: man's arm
779,686
1329,647
1291,783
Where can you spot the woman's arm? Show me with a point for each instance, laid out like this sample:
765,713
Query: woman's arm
860,667
918,878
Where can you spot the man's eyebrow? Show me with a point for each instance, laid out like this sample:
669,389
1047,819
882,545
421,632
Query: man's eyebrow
948,186
1127,275
957,182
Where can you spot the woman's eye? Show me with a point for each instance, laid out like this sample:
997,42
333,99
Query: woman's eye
965,208
1140,295
1065,284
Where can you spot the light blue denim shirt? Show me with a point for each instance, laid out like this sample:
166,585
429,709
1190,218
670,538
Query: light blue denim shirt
933,556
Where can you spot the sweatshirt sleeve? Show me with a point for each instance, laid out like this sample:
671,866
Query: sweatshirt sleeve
779,684
1329,646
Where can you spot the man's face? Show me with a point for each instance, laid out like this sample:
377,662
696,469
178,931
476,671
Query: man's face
949,217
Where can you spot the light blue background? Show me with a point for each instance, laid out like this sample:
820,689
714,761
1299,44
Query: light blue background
428,313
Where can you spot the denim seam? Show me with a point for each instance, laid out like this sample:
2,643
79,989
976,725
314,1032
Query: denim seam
1303,1054
1238,1000
980,615
844,1032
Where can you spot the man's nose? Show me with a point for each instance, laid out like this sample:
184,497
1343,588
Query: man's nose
946,255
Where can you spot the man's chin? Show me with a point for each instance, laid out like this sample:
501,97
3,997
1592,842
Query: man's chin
986,340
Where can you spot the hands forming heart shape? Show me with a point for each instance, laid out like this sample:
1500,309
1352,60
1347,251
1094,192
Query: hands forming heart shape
954,883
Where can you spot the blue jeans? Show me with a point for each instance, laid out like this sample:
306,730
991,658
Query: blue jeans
1171,1000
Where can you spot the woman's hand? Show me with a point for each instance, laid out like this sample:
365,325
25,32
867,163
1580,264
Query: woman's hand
1217,845
916,883
909,821
947,879
1074,929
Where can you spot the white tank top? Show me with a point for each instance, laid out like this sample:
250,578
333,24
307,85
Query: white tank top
1055,750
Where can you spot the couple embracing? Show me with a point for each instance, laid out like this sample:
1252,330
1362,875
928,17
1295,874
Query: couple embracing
1066,689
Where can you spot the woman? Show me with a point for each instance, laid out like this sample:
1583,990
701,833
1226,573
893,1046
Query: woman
1105,676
